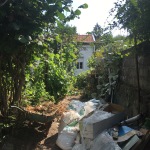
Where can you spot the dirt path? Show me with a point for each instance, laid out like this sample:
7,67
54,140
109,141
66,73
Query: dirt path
35,135
49,143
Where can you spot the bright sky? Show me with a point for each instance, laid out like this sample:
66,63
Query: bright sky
97,12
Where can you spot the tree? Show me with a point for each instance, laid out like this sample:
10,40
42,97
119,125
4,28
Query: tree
60,69
133,15
97,31
102,36
22,23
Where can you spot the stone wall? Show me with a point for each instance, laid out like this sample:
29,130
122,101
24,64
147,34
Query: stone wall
127,91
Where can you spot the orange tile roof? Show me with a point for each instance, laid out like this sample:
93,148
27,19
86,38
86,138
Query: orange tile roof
85,38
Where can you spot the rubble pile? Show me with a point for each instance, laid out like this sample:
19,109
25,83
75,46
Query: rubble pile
97,125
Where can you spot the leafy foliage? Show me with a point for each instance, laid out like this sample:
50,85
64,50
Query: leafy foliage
59,69
101,81
102,36
106,65
133,15
86,82
97,31
23,27
57,77
50,74
34,89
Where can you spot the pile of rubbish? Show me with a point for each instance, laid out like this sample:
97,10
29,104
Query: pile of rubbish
97,125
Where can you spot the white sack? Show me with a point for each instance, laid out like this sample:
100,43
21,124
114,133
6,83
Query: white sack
67,118
66,139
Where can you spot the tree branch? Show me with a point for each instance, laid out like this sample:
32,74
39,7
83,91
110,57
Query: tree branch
3,3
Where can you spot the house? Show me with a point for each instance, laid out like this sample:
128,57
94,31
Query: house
86,49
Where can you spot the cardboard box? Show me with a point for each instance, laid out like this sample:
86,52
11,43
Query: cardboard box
91,130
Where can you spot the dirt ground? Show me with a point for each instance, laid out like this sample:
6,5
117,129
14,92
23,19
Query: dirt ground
35,135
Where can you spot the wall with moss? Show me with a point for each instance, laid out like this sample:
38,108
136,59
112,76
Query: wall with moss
127,91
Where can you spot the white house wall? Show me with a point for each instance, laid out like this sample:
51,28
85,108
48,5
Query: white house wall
86,51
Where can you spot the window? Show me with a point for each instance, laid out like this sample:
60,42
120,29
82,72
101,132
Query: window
79,65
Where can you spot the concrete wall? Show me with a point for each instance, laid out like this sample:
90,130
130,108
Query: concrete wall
127,92
86,51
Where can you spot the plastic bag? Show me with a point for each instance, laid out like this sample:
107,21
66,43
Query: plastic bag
66,138
89,107
78,147
69,118
104,142
83,109
76,106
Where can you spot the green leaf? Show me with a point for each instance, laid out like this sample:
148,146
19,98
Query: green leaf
61,16
134,2
77,12
84,6
59,24
40,43
67,9
60,4
58,39
51,55
57,56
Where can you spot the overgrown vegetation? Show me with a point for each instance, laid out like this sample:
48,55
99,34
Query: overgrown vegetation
50,74
101,81
28,38
131,15
37,50
105,64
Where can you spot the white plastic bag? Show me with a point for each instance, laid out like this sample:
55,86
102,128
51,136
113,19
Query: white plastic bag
104,142
78,147
89,107
76,106
66,138
67,118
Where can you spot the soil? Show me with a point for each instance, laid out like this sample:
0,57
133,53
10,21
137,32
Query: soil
31,135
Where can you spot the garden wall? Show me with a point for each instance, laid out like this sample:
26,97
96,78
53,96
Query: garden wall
127,89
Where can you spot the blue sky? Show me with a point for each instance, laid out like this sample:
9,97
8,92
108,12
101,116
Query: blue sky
97,12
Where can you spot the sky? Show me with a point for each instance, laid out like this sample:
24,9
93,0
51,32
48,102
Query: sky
97,12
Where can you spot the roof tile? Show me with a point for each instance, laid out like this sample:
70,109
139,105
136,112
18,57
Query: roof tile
85,38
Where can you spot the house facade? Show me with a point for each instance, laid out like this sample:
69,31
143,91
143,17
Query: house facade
86,49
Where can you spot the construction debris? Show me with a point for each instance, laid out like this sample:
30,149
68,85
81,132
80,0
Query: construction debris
100,120
100,127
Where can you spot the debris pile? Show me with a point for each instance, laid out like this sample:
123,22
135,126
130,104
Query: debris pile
96,125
